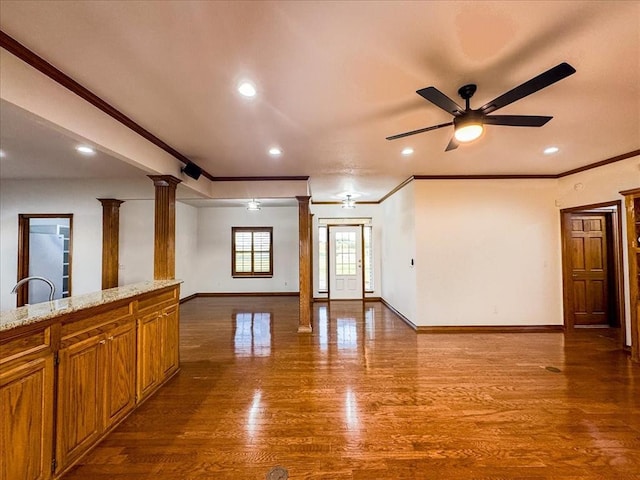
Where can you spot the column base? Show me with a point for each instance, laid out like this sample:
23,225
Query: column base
305,329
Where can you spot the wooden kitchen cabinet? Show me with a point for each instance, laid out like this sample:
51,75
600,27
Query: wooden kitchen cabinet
158,341
120,382
96,377
26,407
170,340
149,344
70,372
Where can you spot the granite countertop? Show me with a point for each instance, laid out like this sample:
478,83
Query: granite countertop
43,311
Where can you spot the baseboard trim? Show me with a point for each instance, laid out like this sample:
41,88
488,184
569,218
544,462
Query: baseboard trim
326,299
190,297
401,316
492,329
475,328
246,294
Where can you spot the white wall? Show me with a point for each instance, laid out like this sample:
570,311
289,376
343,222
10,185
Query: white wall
602,185
488,252
214,249
361,211
187,257
399,287
136,241
62,196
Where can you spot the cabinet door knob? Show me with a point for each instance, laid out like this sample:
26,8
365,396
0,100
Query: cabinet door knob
102,342
111,338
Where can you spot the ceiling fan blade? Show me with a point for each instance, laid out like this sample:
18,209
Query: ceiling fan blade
413,132
439,99
453,144
516,120
543,80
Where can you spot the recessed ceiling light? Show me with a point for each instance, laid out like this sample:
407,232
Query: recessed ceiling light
83,149
551,150
247,89
275,152
407,151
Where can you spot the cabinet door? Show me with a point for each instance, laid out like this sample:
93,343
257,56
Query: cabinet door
120,373
26,413
80,398
149,353
170,340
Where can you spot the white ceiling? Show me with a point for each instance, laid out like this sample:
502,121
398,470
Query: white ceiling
335,78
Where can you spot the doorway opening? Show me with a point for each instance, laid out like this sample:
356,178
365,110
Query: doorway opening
346,280
592,271
44,250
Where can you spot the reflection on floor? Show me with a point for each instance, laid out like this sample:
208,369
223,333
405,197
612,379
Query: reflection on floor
364,397
252,334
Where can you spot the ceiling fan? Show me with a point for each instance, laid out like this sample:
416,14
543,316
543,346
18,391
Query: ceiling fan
469,123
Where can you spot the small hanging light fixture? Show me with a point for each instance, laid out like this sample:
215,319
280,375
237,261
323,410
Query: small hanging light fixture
253,205
348,202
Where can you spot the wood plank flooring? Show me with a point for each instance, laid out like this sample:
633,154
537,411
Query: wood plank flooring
363,397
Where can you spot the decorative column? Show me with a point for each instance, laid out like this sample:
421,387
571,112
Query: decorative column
110,241
304,231
164,248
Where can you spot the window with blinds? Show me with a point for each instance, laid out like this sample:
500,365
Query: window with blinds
252,254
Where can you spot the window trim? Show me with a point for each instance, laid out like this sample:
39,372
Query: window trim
326,258
370,261
251,274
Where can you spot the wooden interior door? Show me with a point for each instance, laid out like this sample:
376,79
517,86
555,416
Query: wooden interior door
589,275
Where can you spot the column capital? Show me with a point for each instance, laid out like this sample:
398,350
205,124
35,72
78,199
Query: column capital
110,202
164,180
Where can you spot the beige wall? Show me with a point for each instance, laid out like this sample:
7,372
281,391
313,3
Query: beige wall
214,249
399,240
488,253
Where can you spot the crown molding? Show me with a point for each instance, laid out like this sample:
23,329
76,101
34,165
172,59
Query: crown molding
23,53
40,64
261,179
606,161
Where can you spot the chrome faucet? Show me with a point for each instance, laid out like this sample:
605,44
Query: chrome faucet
45,280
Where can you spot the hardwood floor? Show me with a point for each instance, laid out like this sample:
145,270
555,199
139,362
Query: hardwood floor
364,397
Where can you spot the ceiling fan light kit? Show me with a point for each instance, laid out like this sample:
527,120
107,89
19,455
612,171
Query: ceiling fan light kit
469,123
468,128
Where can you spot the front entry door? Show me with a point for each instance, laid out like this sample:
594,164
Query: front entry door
345,263
589,269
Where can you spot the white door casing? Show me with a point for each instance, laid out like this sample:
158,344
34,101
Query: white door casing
345,262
